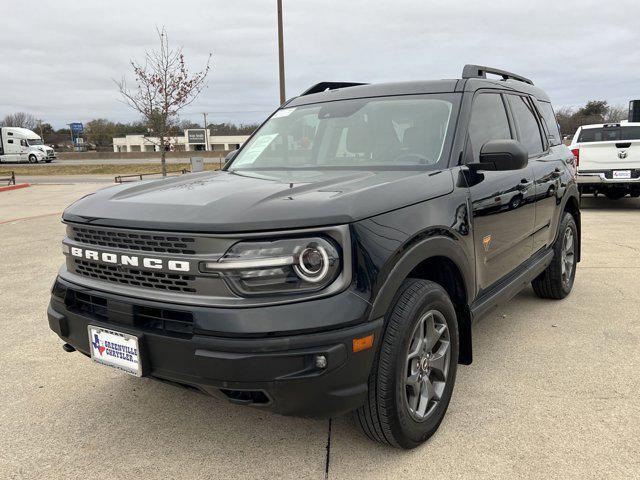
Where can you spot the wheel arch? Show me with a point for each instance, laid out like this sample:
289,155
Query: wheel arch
571,204
442,260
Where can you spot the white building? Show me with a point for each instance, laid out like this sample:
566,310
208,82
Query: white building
192,140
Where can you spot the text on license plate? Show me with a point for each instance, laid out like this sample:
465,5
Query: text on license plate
115,349
622,174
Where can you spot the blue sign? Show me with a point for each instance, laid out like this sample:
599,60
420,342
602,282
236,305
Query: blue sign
77,129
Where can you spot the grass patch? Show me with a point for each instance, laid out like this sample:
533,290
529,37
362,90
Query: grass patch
102,169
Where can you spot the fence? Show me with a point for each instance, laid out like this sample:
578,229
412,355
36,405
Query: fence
138,176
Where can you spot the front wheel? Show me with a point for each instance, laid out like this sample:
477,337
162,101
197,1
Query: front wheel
557,280
411,382
33,159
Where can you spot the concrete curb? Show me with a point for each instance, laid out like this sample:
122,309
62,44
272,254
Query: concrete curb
14,187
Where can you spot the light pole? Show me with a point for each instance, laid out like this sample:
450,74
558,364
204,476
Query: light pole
206,133
281,53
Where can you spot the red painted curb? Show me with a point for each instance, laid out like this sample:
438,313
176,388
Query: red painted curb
14,187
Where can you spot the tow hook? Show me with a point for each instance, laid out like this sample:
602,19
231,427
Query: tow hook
68,348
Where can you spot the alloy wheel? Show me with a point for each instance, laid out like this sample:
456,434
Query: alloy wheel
427,365
567,256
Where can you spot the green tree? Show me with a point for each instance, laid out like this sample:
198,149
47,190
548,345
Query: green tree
100,132
594,108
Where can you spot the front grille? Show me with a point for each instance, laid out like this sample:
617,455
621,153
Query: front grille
95,307
150,242
136,278
167,322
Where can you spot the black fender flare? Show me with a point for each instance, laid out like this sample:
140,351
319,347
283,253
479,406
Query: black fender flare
571,193
411,255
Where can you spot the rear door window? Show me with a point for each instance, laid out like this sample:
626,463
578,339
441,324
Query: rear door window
528,127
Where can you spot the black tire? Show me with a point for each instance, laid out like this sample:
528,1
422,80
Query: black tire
386,416
33,159
615,193
553,282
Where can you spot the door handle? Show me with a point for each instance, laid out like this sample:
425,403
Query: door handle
556,173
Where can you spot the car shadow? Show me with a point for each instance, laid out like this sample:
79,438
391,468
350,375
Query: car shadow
121,422
589,202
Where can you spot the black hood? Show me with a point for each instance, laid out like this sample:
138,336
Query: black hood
226,202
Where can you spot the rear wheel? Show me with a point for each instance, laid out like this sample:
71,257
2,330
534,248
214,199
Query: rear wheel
557,280
412,378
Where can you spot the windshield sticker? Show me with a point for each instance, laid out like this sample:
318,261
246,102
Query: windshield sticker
256,148
283,113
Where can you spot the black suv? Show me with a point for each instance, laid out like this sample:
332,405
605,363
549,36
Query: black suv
338,260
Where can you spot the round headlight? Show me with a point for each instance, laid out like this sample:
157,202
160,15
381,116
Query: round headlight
278,266
313,264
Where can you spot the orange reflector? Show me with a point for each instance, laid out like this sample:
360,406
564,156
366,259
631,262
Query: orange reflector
363,343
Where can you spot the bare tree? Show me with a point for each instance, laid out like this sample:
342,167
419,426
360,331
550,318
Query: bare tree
164,86
20,119
616,113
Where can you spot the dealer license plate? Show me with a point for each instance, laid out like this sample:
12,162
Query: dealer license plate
115,349
622,174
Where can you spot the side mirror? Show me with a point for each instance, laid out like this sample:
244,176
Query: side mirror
501,155
230,156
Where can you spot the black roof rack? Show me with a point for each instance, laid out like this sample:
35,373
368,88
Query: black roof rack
478,71
323,86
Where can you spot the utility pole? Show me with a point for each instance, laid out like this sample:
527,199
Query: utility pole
281,53
206,133
72,139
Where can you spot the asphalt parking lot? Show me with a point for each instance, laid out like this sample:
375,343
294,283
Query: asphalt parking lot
554,390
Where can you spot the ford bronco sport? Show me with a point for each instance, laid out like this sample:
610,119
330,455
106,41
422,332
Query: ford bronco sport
337,262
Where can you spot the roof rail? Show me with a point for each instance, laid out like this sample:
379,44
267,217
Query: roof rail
478,71
323,86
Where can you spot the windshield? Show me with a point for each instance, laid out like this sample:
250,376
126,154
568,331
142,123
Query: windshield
35,141
378,132
609,134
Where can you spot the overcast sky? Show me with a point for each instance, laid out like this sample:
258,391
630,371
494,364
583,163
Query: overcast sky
58,59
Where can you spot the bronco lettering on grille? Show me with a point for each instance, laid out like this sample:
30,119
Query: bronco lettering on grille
131,260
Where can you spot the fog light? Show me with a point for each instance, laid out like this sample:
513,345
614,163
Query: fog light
321,361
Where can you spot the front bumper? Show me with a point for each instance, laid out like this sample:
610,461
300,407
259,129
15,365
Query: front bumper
277,373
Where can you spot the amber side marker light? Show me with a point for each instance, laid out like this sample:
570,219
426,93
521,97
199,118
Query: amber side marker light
363,343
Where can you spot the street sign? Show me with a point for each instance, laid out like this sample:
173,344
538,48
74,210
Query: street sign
77,129
196,136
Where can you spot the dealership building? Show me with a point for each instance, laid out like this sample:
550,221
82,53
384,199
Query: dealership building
196,139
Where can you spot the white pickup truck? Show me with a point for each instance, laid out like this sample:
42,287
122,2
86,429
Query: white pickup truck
608,159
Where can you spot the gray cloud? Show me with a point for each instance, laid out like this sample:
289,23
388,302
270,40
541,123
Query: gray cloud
58,59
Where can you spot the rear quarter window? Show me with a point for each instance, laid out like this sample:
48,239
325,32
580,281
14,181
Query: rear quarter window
550,123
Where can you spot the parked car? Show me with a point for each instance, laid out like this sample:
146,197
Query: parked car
23,145
608,157
338,260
